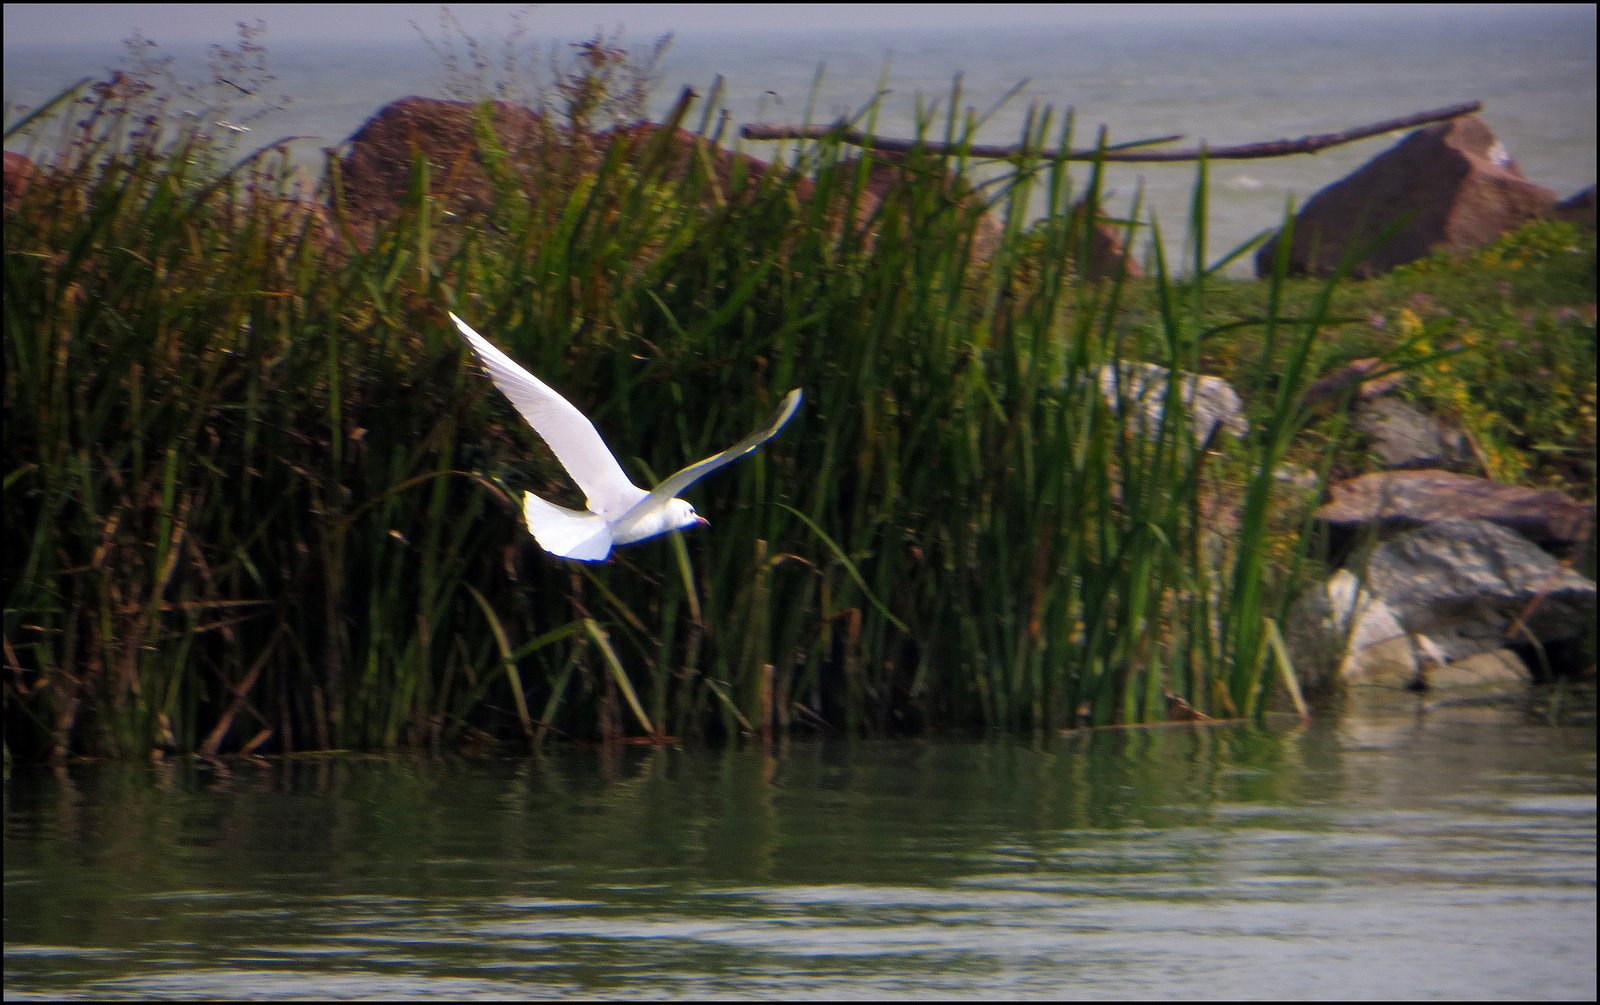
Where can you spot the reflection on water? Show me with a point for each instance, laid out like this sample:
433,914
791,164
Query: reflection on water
1452,855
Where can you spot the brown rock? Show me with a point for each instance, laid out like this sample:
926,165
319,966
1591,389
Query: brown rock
888,169
1106,252
376,172
1337,382
1455,180
1578,210
18,169
1399,500
685,146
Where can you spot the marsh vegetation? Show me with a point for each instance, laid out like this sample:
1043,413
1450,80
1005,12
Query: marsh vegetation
257,497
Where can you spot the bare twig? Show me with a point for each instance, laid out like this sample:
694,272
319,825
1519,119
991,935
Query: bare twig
1249,151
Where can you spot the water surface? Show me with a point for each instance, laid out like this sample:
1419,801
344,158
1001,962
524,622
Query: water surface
1444,855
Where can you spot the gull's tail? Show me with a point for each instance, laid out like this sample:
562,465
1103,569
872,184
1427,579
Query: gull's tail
567,533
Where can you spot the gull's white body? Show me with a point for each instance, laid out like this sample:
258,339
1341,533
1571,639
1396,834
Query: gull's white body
619,511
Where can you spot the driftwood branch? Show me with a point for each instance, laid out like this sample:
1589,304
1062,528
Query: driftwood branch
1250,151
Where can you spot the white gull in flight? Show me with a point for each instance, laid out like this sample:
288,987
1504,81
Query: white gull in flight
619,511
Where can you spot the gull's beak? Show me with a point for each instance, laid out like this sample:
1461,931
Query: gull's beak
701,521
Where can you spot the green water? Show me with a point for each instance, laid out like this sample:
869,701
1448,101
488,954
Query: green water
1446,855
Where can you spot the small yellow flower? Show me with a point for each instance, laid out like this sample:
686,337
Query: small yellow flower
1408,323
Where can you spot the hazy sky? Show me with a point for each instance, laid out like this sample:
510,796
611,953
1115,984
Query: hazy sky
176,23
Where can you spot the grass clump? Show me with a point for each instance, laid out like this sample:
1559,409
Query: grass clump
1522,310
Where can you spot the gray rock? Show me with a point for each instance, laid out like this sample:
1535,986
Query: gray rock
1404,437
1432,603
1496,670
1300,478
1471,586
1212,401
1338,631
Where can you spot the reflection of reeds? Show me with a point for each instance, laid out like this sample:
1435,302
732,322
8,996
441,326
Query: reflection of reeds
252,480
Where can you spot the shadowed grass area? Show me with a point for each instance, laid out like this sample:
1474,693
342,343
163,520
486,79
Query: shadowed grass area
258,497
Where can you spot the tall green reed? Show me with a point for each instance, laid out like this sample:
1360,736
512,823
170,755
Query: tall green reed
257,497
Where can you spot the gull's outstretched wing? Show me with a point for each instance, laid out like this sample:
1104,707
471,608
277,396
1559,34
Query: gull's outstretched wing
681,480
573,438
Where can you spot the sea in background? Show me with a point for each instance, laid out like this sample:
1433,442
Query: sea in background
1224,83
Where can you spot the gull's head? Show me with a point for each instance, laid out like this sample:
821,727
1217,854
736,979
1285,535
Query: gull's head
680,514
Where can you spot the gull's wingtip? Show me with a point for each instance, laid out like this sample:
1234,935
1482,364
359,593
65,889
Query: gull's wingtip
791,405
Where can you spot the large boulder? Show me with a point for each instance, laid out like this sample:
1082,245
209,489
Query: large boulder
1398,500
1212,401
1107,251
889,169
18,170
1404,437
1472,586
1338,631
375,172
1454,180
685,147
1355,377
1578,210
1438,606
376,169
